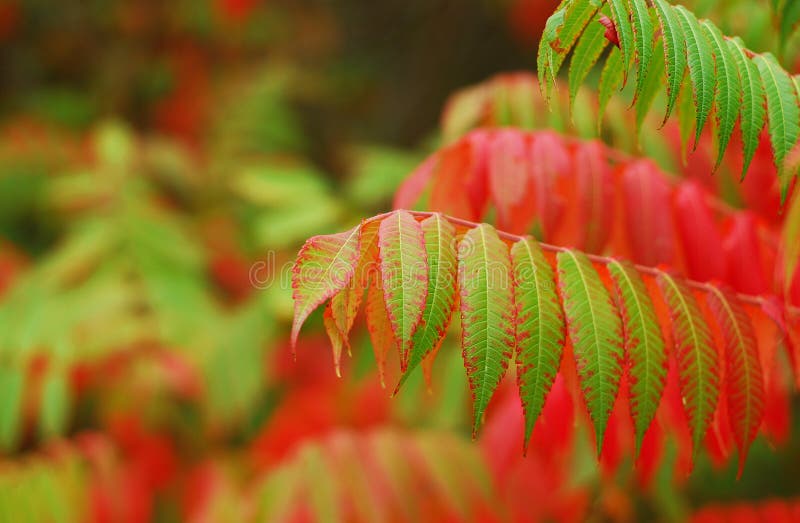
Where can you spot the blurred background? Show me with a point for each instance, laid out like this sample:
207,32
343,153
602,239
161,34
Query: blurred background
160,165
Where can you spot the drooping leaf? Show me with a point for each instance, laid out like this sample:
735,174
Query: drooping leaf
12,386
324,266
379,327
674,51
622,22
577,16
404,276
487,313
540,328
728,96
751,100
587,52
701,68
611,79
744,381
783,109
789,20
698,362
544,57
595,331
338,340
440,246
643,36
648,90
644,346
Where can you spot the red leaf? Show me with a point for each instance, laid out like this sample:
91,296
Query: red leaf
700,237
595,187
648,213
550,160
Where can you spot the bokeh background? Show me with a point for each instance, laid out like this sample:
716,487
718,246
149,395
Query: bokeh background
160,165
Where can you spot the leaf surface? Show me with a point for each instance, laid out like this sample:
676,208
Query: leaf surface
540,332
644,346
404,275
698,362
595,331
487,313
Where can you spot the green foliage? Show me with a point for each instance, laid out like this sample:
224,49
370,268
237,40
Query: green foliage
487,313
721,73
644,346
540,328
596,333
698,364
509,303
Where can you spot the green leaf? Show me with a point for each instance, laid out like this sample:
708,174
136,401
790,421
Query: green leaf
440,240
595,331
560,37
650,88
577,16
783,109
622,22
686,116
544,57
324,266
744,381
701,68
610,81
55,401
644,346
698,361
752,101
790,18
540,328
487,313
644,36
587,52
728,99
404,275
674,52
12,381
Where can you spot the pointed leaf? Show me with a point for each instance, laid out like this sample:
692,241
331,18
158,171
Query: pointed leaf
587,52
487,313
649,89
698,362
404,272
440,245
324,266
783,109
744,381
540,329
622,22
752,101
611,79
701,68
674,51
728,97
379,327
643,36
644,346
595,331
577,16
